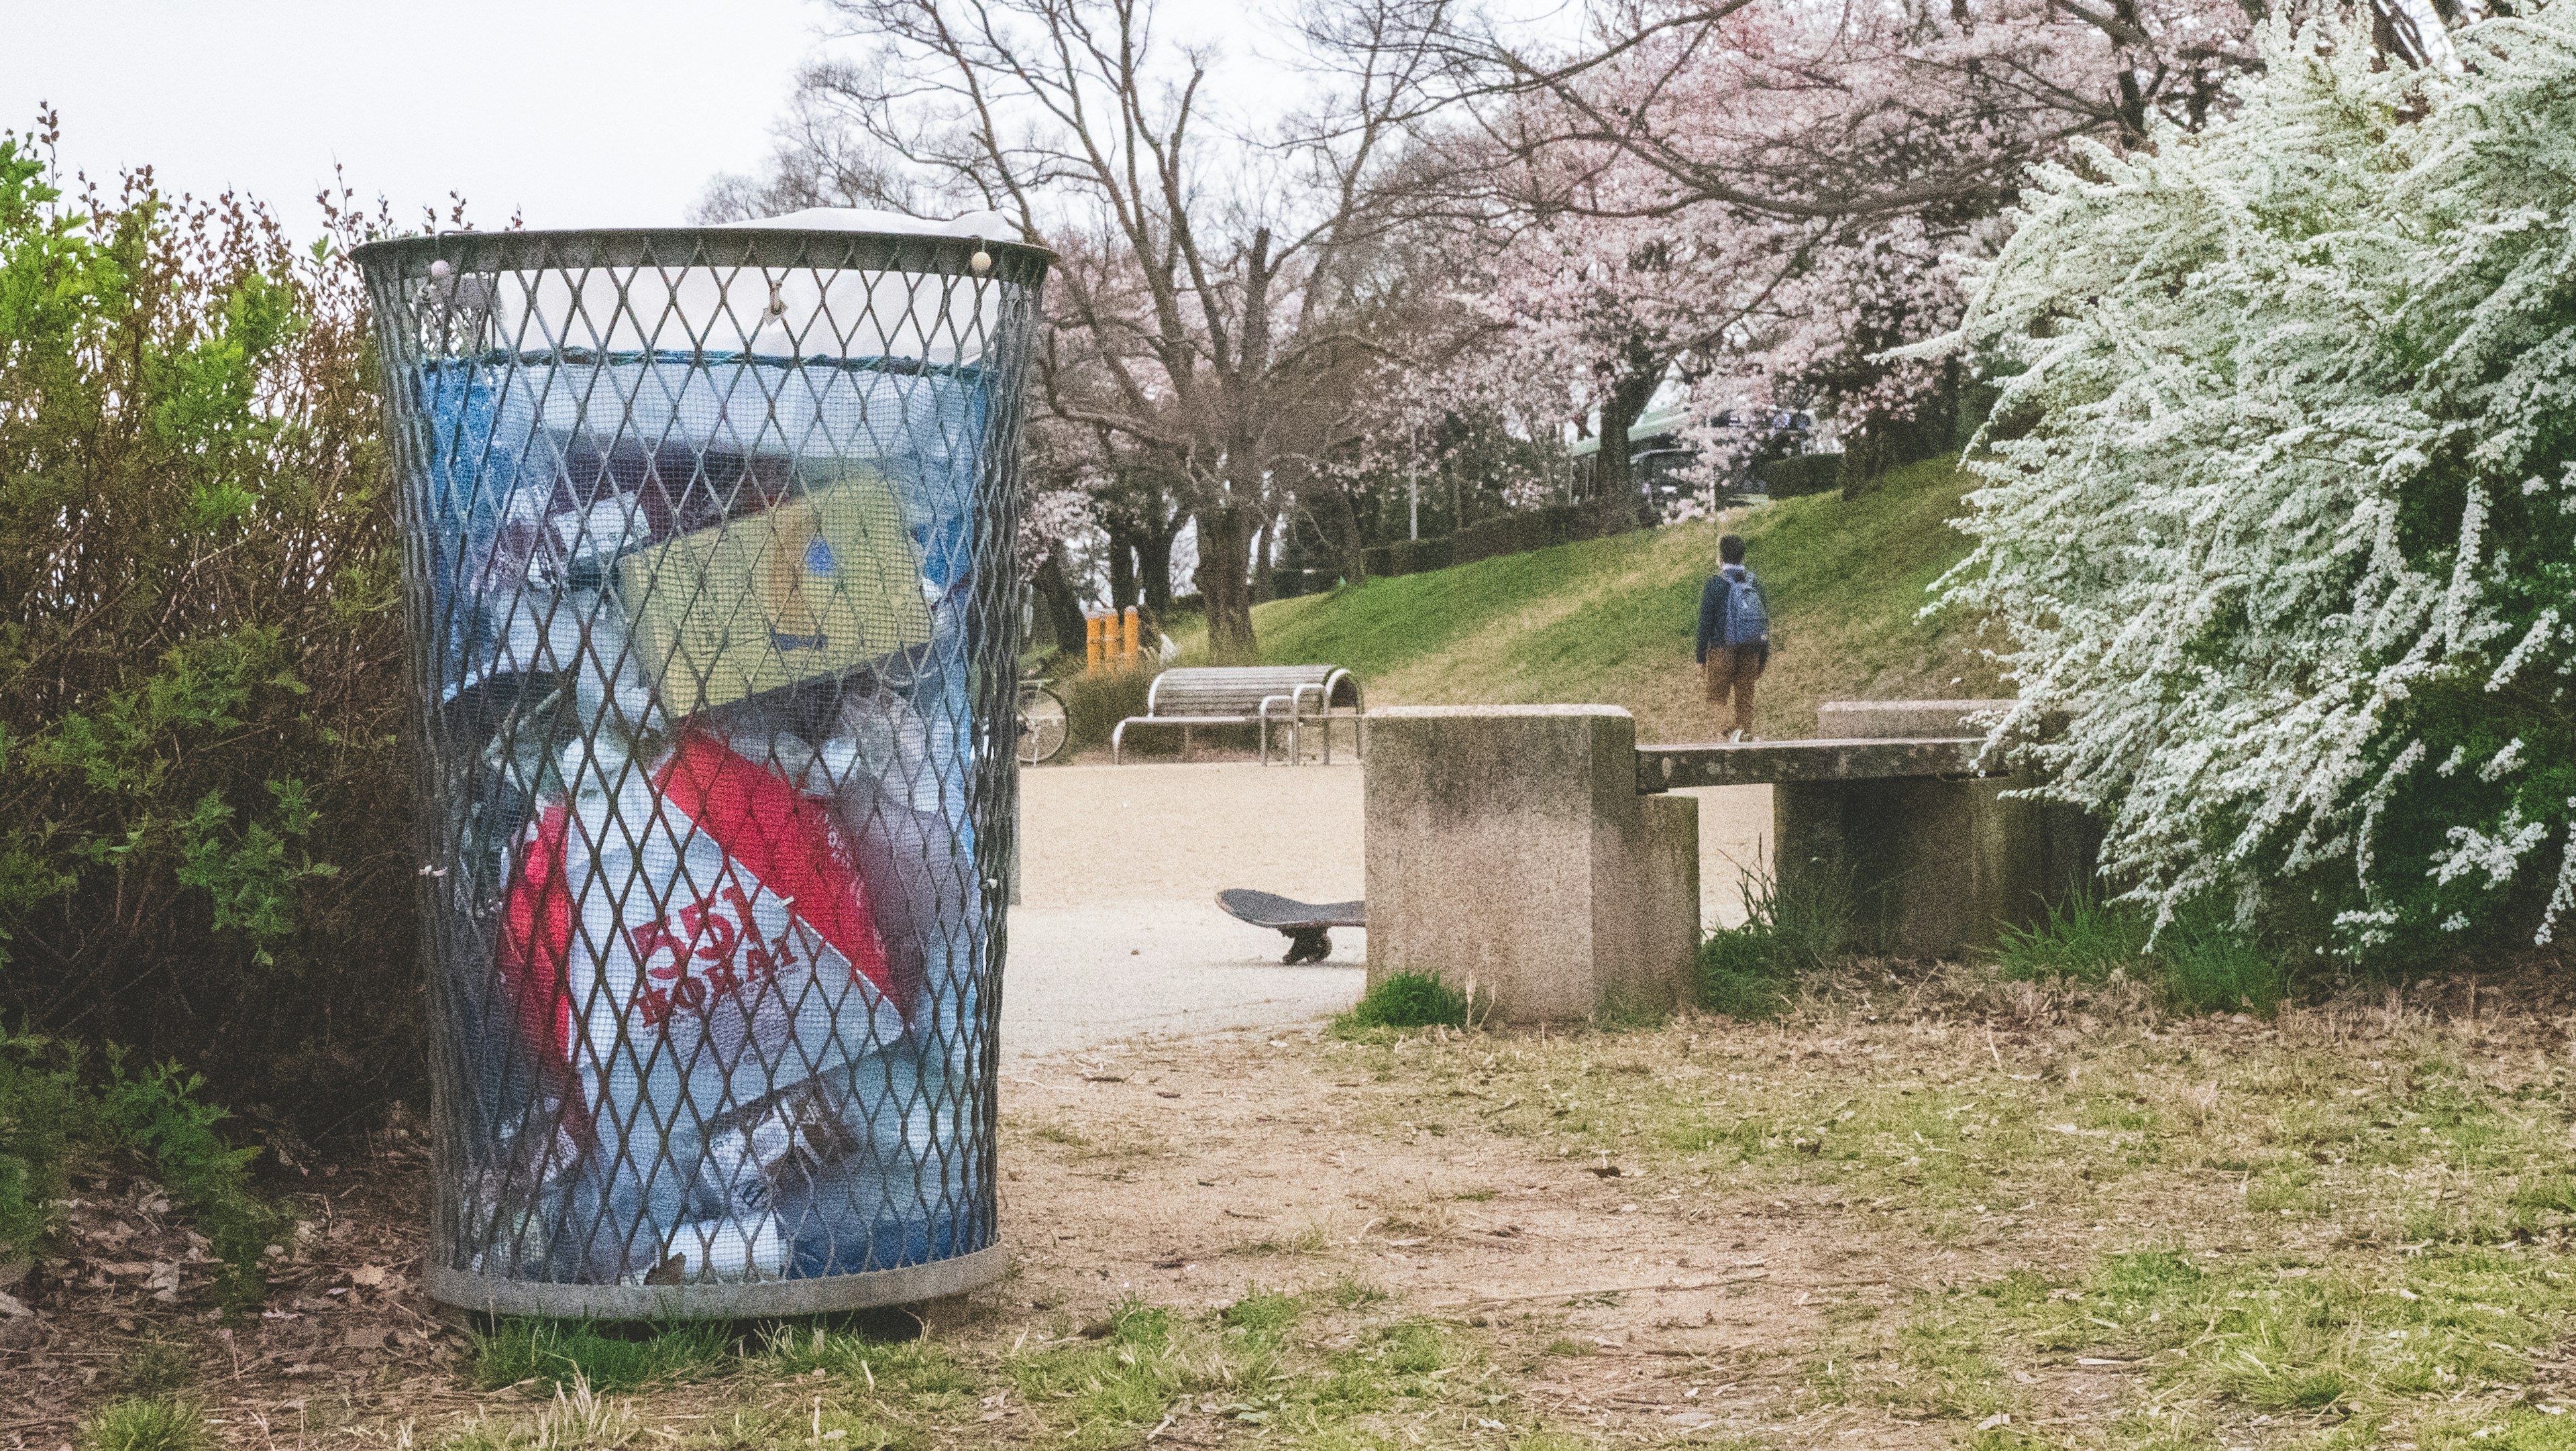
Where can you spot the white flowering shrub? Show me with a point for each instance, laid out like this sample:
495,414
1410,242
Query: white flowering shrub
2283,523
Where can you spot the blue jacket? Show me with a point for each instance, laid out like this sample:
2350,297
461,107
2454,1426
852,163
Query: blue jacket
1712,616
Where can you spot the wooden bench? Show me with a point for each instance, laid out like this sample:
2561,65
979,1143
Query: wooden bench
1253,695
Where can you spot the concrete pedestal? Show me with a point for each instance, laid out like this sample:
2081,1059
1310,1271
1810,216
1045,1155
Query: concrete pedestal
1922,866
1508,848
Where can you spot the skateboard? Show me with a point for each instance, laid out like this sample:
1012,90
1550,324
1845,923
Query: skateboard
1304,923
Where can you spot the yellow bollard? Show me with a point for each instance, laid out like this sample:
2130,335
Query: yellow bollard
1135,650
1095,642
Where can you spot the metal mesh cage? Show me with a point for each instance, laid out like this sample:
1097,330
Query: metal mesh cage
707,562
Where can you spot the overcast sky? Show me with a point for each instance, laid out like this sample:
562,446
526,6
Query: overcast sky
578,112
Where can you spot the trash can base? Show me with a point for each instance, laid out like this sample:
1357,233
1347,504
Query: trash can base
823,1294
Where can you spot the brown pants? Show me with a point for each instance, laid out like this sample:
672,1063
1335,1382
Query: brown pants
1731,670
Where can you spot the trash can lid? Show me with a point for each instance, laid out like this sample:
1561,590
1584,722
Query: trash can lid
991,226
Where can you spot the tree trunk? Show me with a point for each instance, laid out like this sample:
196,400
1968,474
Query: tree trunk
1611,476
1154,567
1225,584
1348,541
1264,585
1865,459
1122,568
1059,608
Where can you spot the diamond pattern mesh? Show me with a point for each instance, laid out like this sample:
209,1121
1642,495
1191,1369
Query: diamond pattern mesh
707,555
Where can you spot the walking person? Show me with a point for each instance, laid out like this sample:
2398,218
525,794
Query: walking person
1734,635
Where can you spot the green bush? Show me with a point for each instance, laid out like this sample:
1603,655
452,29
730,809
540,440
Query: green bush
1405,1000
44,1113
1095,704
205,846
1800,473
1412,556
159,1113
1516,532
49,1117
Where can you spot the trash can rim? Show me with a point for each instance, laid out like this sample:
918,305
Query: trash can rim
821,1294
736,246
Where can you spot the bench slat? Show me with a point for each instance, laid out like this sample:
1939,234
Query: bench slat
1236,689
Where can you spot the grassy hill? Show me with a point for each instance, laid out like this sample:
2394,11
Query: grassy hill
1610,620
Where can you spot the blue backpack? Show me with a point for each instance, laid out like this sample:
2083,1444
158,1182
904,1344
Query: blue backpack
1747,621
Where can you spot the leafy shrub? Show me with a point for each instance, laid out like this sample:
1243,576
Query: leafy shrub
49,1116
158,1112
1095,704
2301,573
203,816
44,1113
1405,1000
1800,473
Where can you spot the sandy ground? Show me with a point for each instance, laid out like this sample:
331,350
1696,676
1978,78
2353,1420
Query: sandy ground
1118,932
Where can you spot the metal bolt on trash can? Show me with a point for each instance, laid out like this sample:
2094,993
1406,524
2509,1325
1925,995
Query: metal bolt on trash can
707,563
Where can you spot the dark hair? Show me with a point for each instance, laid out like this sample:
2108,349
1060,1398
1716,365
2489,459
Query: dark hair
1730,549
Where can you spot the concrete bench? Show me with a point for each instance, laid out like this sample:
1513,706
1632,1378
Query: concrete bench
1253,695
1539,850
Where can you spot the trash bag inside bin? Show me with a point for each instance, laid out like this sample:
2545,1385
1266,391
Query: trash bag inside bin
716,921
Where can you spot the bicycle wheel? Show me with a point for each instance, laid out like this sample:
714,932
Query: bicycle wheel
1044,727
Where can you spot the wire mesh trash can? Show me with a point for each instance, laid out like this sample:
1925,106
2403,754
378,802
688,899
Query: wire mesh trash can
707,561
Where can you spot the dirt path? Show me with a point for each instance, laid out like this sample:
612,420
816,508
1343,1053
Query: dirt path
1193,1174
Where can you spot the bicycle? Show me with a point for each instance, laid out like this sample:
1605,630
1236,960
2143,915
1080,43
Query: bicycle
1044,726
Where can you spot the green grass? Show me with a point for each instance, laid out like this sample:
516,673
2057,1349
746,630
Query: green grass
155,1367
920,1370
1405,1000
570,1352
1263,1312
2083,940
146,1423
1751,971
2211,966
577,1419
1241,1370
2202,963
1610,620
1350,1292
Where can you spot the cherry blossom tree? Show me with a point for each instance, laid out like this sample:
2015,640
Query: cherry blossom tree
1204,267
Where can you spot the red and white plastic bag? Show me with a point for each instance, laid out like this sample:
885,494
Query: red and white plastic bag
689,942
